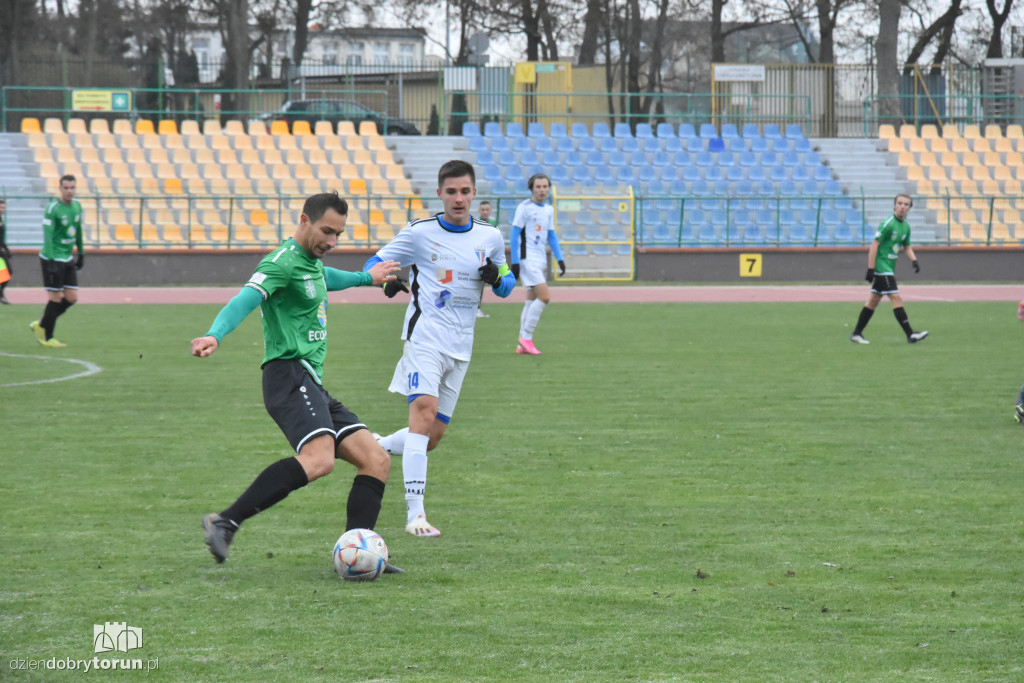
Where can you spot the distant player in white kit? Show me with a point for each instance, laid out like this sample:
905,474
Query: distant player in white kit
452,256
533,231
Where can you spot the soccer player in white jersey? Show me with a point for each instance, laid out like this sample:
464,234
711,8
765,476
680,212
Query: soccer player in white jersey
452,257
533,231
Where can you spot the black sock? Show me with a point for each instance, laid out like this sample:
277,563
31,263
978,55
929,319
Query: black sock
271,486
64,305
3,286
49,319
864,319
901,318
364,502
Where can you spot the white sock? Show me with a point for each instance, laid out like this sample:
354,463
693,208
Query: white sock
522,318
533,318
414,471
394,444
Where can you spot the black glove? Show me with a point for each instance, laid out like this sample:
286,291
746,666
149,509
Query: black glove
561,267
515,270
393,287
870,277
489,273
80,261
917,268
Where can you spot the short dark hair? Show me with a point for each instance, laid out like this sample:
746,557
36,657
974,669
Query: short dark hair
905,196
456,168
481,204
317,205
67,178
535,177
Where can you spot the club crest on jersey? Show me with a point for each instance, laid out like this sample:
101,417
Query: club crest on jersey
310,288
481,255
321,313
445,276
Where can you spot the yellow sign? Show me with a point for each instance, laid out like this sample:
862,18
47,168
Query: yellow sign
750,265
101,100
526,72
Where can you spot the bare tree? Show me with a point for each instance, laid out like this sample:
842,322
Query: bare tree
942,29
887,66
999,17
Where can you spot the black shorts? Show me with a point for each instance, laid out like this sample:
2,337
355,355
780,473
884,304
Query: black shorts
301,407
58,275
884,284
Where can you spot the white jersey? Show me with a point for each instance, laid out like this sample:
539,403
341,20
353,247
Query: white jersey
445,282
536,221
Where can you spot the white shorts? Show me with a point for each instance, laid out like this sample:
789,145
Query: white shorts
425,370
532,273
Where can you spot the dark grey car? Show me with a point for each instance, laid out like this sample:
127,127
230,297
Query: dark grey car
334,111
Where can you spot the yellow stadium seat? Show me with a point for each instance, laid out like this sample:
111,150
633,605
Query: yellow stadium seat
971,131
158,156
929,131
249,157
908,131
346,129
226,157
77,126
211,127
301,128
257,128
279,128
315,157
979,173
886,131
241,142
123,127
357,186
367,129
917,145
1014,131
323,129
144,127
938,145
167,127
99,127
173,186
52,125
234,127
272,157
285,142
294,156
30,124
265,142
190,127
950,131
993,131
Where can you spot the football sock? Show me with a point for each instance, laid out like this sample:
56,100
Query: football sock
862,321
49,318
63,306
271,486
522,318
414,471
364,501
394,444
901,318
533,318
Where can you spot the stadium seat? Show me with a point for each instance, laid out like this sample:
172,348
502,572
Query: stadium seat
534,130
644,130
771,131
557,130
622,130
514,130
794,131
471,129
686,130
492,129
665,130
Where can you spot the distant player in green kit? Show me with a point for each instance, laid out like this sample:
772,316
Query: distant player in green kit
892,237
62,233
290,285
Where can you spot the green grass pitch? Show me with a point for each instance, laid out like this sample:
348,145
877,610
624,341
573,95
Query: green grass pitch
671,492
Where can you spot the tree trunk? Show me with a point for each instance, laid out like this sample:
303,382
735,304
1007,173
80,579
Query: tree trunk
995,44
532,31
302,10
717,37
887,66
591,32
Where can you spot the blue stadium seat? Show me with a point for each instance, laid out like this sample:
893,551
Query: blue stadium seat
601,130
725,158
780,145
603,174
729,131
665,130
570,233
656,187
607,144
580,173
713,174
822,173
681,158
579,130
628,144
793,130
716,144
485,157
734,174
678,187
649,144
708,130
669,173
759,145
790,158
638,159
558,173
810,188
670,144
471,129
622,130
787,188
529,158
607,217
800,174
644,130
557,131
647,174
586,144
752,233
686,130
771,130
513,173
477,144
660,158
756,173
778,173
578,250
744,188
551,158
564,144
536,130
513,129
521,144
573,158
767,188
694,145
492,173
748,159
703,158
594,158
831,188
750,131
692,173
812,158
498,144
700,188
769,159
492,129
616,158
542,145
625,175
507,157
801,145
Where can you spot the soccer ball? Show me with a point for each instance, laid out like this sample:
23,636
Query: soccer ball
360,555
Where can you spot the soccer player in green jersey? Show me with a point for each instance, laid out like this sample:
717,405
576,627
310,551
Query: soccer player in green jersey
290,286
62,234
893,236
5,252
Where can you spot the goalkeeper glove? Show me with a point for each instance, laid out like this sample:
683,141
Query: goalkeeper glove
561,267
917,268
515,270
393,287
870,277
489,273
80,261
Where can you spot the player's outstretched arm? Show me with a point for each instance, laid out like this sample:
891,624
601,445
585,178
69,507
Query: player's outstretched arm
241,305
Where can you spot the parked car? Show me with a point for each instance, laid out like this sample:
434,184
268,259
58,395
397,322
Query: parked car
339,110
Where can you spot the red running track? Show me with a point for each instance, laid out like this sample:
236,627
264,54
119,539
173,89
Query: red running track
563,293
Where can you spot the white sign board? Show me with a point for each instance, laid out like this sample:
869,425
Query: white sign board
739,72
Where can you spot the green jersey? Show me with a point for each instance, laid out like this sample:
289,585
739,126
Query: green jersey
893,234
62,230
294,307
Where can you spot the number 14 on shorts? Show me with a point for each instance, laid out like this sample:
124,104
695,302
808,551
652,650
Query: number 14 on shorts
414,380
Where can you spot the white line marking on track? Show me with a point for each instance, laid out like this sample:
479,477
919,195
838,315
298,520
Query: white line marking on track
90,369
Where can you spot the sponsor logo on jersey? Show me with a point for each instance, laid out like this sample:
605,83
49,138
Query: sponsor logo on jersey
321,313
442,299
538,227
445,276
